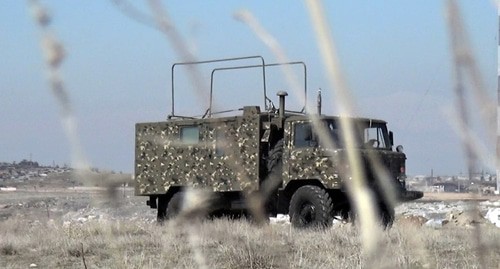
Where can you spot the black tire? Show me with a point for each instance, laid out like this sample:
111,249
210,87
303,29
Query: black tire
162,209
175,205
386,214
274,180
311,207
274,164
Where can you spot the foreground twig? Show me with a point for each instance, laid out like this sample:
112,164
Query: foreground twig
83,257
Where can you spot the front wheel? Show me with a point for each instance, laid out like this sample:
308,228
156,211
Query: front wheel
311,207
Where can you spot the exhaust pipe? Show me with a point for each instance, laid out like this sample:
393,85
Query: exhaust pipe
282,95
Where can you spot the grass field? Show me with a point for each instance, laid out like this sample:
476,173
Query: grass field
235,244
62,227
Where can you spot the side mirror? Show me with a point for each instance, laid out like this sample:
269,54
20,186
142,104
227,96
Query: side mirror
399,149
391,138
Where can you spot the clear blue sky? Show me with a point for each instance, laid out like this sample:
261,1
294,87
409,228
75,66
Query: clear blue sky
395,54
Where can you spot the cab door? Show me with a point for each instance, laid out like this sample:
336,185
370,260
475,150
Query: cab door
301,151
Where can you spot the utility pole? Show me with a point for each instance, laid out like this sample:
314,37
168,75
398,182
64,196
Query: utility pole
498,102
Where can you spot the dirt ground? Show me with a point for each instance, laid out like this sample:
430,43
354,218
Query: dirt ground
68,199
60,197
73,204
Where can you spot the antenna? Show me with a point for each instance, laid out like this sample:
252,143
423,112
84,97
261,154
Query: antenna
319,101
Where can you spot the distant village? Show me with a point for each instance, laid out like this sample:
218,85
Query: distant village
26,170
480,183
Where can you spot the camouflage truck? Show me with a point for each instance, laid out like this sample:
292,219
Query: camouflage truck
237,155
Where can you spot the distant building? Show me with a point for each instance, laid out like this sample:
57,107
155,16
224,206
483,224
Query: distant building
420,177
445,187
28,164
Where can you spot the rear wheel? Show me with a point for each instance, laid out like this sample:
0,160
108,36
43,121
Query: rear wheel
162,209
269,188
274,164
310,207
386,215
174,205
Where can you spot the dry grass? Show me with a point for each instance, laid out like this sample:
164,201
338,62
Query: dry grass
234,244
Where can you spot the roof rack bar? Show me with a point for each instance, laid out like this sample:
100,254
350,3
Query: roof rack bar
263,65
265,93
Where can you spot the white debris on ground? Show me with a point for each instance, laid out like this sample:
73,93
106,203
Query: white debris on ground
459,213
434,223
102,215
434,214
493,215
280,219
8,189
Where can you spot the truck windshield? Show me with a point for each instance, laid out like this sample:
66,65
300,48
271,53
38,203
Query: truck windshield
367,134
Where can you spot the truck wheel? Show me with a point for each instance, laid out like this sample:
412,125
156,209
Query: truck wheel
274,159
387,215
175,205
310,207
162,209
274,167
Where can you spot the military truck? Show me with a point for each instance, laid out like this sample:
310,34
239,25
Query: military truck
238,155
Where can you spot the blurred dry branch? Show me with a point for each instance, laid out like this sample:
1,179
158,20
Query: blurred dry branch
180,46
135,14
465,67
54,54
466,73
362,197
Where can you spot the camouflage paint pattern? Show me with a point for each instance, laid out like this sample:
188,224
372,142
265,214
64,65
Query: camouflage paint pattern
330,166
225,157
309,162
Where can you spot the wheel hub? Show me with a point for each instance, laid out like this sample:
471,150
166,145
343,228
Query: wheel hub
307,213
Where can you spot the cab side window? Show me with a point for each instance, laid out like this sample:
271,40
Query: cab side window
375,135
303,135
190,134
220,140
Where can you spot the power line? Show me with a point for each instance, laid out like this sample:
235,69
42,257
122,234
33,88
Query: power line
419,106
